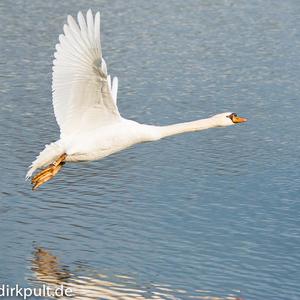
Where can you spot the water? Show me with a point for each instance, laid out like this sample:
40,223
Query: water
210,215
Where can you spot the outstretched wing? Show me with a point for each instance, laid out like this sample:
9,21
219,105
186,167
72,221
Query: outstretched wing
82,93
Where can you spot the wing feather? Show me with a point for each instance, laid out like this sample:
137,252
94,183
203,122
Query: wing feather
82,92
114,89
97,28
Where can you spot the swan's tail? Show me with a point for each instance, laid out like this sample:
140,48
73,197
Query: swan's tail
49,155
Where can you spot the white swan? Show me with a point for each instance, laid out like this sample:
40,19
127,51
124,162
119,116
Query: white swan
85,105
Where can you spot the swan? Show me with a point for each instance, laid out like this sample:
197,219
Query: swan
84,99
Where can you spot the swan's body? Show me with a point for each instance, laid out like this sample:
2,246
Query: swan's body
105,140
85,105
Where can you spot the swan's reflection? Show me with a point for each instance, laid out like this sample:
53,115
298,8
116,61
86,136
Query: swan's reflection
47,270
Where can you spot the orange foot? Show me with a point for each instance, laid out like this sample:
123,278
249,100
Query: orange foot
48,173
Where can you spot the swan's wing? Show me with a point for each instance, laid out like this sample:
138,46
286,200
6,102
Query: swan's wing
82,95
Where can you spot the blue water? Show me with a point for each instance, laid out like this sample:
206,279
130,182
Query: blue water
209,215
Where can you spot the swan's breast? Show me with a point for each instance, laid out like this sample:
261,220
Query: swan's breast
106,140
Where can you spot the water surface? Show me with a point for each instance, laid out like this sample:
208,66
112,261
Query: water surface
210,215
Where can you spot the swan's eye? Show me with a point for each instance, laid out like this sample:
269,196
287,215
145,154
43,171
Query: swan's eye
232,115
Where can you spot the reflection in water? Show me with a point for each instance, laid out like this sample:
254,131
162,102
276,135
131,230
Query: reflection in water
47,270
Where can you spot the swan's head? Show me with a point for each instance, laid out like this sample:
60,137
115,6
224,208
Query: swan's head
227,119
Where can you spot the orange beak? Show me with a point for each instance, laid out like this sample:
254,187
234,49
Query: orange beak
239,119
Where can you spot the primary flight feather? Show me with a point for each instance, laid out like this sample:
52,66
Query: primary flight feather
85,105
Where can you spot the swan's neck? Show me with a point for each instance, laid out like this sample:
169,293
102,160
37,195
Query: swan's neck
187,127
169,130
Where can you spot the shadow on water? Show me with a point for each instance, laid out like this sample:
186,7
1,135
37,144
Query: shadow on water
48,270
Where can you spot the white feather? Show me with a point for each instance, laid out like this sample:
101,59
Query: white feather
114,89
